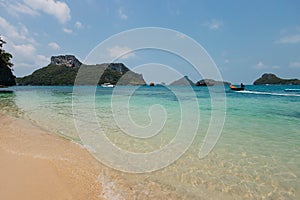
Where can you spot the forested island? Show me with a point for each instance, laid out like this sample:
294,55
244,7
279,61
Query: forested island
272,79
63,70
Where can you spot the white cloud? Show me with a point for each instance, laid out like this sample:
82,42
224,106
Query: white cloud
54,45
66,30
15,34
122,52
214,24
60,10
261,65
290,39
38,61
78,25
289,36
295,64
22,8
15,8
10,30
42,60
21,46
24,50
18,41
121,14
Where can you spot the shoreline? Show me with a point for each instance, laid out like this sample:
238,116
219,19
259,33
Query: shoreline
36,164
241,166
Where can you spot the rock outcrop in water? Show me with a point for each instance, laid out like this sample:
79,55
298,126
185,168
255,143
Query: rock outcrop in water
272,79
63,70
184,81
211,82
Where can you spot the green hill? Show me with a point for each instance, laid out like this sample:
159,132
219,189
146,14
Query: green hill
50,75
272,79
64,72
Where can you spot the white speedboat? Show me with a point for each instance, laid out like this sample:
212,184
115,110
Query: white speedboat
108,85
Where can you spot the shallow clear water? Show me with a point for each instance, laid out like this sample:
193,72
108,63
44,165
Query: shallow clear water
257,155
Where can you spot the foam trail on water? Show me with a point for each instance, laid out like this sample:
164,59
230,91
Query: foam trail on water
268,93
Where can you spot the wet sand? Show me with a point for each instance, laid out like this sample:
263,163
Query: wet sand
37,165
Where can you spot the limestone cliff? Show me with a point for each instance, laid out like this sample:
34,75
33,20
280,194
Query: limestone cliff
65,60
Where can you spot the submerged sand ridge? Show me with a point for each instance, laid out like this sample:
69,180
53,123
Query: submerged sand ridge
37,165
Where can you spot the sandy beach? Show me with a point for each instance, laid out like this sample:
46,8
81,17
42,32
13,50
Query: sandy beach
38,165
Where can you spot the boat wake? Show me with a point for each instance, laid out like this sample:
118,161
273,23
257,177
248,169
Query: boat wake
268,93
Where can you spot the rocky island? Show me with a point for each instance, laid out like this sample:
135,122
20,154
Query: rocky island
211,82
184,81
63,70
272,79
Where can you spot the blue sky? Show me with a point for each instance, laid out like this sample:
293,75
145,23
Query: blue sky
244,38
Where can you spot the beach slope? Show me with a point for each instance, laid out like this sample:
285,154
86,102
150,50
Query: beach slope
39,165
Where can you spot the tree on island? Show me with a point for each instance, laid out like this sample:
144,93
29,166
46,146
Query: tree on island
6,76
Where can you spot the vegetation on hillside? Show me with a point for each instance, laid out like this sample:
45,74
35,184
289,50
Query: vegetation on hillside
273,79
65,75
6,76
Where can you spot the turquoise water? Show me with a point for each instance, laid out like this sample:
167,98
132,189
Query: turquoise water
256,157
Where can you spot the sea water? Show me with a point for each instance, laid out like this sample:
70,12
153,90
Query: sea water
257,155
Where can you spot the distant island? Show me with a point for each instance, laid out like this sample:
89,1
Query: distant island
204,82
272,79
63,70
211,82
184,81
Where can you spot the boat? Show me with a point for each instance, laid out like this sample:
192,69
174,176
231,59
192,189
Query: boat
232,87
4,89
109,85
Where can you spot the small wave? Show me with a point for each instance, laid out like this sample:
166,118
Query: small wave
291,90
109,188
268,93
